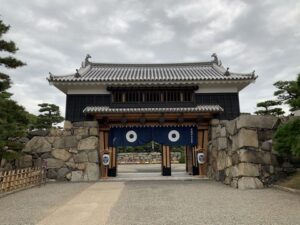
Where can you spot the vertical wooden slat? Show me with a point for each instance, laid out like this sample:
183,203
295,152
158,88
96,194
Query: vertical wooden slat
13,180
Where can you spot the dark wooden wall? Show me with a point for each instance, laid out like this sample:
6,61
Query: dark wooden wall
228,101
76,103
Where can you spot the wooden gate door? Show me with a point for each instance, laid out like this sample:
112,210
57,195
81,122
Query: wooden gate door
166,161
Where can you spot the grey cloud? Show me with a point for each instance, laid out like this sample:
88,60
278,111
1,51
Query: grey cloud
56,35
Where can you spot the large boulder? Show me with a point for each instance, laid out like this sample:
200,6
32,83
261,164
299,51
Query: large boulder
267,145
94,131
92,172
93,156
80,157
61,173
76,176
54,163
58,142
222,143
257,157
86,124
256,121
67,125
25,161
51,174
82,131
248,170
221,160
247,138
90,143
231,127
249,183
62,154
70,141
55,132
37,145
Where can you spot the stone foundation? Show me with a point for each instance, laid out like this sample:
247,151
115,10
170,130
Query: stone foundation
240,152
69,154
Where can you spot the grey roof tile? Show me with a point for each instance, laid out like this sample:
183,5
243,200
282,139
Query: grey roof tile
198,108
104,72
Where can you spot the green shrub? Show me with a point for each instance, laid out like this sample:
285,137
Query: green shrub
287,138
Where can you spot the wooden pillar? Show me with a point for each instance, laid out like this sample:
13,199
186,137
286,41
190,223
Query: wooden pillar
103,171
189,159
186,159
202,147
111,171
166,160
203,167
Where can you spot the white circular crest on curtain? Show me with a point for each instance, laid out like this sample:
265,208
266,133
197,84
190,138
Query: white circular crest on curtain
131,136
173,135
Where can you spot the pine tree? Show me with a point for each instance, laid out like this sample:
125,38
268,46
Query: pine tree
50,115
13,119
289,93
269,108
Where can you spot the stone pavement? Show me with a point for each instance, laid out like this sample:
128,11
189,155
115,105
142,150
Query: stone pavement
90,207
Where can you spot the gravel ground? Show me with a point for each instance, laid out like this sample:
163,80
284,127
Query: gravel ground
151,202
202,202
29,206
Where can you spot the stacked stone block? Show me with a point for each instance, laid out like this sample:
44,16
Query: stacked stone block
70,154
240,151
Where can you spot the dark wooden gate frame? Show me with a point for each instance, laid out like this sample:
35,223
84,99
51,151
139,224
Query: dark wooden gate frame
192,165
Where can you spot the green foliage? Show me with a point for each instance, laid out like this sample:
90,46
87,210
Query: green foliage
49,115
182,158
269,108
141,148
10,156
13,117
287,138
289,93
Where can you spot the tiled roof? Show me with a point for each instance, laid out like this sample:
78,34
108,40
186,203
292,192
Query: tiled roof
178,72
198,108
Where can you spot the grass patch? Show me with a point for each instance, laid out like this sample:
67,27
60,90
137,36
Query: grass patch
292,181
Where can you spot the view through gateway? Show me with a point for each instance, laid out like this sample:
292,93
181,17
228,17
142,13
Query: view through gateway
145,161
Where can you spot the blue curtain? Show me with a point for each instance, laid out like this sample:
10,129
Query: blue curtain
163,135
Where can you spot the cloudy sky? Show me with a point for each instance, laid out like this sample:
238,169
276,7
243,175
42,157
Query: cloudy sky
56,35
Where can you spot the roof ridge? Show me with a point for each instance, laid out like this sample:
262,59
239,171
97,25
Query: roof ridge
208,63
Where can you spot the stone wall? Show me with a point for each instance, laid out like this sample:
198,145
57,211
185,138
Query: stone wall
240,152
70,154
144,157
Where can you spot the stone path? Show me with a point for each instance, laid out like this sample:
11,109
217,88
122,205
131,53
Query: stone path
148,202
90,207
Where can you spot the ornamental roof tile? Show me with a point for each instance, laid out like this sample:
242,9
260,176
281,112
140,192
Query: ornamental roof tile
198,108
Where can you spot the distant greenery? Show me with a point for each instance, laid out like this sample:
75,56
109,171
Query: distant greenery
288,92
49,116
287,138
141,148
269,108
